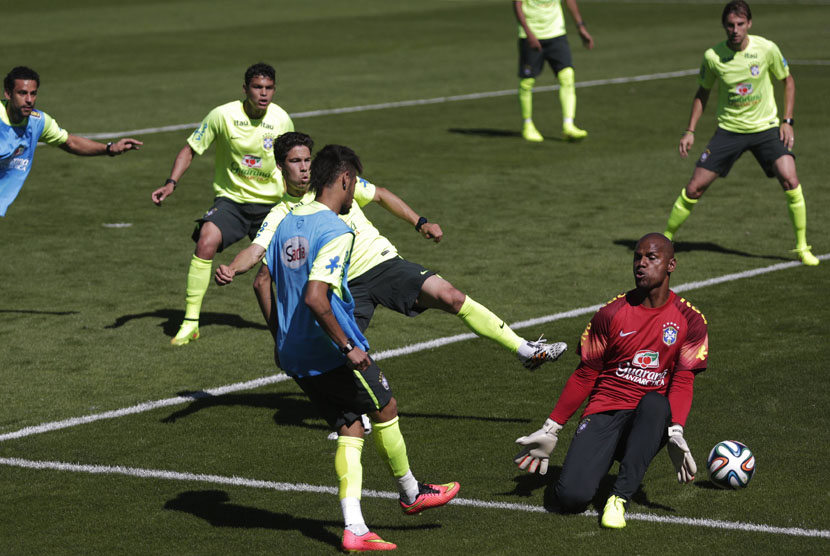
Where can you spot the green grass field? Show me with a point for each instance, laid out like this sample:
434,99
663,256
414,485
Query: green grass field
531,230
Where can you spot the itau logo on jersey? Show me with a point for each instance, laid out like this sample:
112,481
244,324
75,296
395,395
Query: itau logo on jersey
646,359
744,89
294,252
251,161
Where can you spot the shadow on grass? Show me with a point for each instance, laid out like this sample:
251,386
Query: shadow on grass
448,417
689,246
214,506
174,319
292,409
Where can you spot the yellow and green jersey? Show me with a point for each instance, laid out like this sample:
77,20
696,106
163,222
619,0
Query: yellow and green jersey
544,17
746,97
370,247
244,169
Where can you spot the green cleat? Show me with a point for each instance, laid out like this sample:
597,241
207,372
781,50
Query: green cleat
613,517
572,133
806,256
188,332
530,133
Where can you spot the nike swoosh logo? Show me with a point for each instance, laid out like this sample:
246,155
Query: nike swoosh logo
501,325
624,334
424,272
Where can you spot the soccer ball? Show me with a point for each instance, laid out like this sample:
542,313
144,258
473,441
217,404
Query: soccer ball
731,465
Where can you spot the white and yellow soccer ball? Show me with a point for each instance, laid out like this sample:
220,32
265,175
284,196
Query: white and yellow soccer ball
731,465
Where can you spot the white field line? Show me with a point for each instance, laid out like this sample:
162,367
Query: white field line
436,100
319,489
406,350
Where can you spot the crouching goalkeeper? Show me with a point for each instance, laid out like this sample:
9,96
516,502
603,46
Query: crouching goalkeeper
639,357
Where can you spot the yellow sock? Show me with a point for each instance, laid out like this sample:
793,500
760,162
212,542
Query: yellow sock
198,279
680,211
526,97
391,446
567,94
348,467
483,322
797,208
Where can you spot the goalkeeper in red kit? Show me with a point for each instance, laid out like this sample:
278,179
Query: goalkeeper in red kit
639,357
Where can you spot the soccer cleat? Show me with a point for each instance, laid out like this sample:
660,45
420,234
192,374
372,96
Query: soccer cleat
365,543
806,256
572,133
613,516
530,133
188,332
430,496
542,353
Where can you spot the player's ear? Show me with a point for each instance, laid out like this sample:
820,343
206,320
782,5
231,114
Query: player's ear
672,265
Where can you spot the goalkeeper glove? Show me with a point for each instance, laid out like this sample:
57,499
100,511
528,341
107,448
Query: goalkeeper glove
537,447
680,455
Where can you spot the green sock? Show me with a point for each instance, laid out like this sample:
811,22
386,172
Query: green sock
198,279
526,97
348,467
483,322
797,208
679,213
391,446
567,94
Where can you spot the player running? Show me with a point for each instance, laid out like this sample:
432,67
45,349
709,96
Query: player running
542,38
639,357
244,181
743,66
319,344
378,275
21,127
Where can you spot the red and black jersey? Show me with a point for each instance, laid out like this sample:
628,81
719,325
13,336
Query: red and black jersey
629,350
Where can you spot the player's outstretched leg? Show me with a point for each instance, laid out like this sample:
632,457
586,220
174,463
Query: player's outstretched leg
529,131
797,208
534,354
567,99
680,211
198,279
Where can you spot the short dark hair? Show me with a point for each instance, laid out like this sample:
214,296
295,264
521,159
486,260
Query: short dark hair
20,72
737,7
288,141
329,163
260,69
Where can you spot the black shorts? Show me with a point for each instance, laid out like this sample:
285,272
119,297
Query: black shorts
395,284
555,51
341,396
725,147
234,220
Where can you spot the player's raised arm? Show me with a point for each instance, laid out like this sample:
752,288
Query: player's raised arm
180,166
397,206
82,146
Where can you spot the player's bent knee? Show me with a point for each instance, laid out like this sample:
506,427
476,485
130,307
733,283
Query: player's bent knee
387,412
655,405
572,498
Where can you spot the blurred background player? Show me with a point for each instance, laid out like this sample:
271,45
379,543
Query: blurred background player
21,127
318,343
743,66
244,181
378,275
639,357
542,38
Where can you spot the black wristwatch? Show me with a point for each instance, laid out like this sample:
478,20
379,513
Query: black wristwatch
788,121
345,350
109,149
421,221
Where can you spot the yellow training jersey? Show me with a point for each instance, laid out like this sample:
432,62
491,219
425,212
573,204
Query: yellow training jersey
544,17
746,98
244,169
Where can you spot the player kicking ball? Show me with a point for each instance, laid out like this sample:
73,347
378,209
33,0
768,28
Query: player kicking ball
319,344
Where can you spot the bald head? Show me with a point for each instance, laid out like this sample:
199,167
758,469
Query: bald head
653,264
664,243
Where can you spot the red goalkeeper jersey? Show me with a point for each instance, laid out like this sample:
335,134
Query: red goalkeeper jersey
629,350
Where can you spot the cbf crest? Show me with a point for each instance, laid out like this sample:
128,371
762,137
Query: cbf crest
669,333
267,142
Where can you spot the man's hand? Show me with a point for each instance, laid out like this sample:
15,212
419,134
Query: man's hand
587,39
358,359
162,193
533,42
680,455
537,447
124,145
224,275
431,230
686,142
787,135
